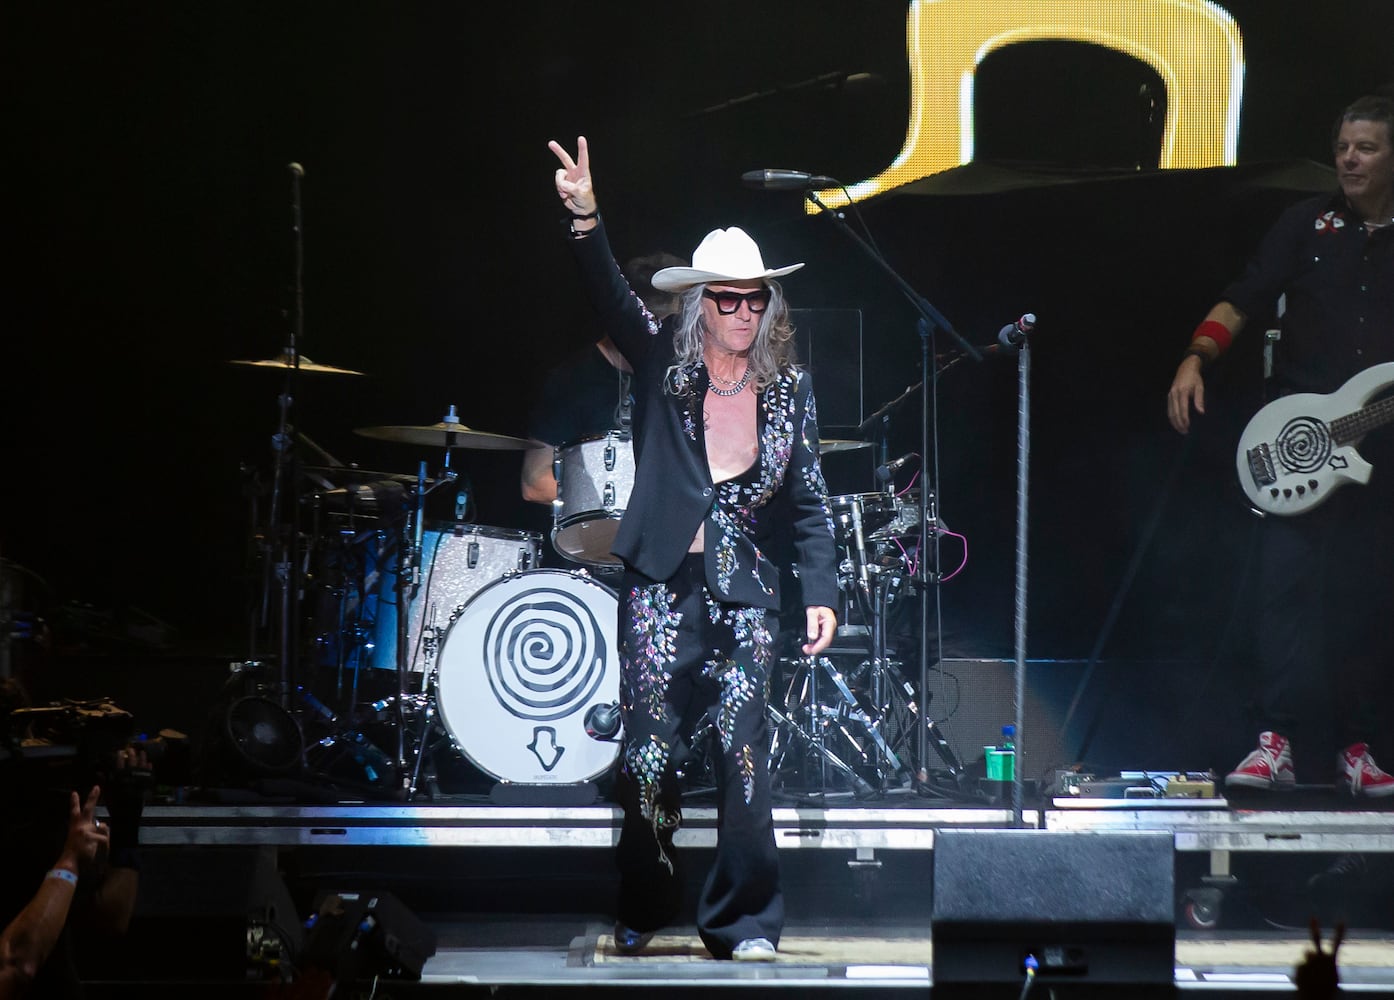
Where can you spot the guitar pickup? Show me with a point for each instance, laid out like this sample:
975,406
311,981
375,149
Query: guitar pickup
1261,466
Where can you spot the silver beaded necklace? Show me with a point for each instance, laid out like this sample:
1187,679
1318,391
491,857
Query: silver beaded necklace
736,387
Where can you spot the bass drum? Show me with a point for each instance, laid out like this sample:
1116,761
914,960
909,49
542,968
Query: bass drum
520,668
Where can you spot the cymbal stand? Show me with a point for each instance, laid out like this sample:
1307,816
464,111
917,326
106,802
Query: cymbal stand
408,586
280,559
802,698
883,676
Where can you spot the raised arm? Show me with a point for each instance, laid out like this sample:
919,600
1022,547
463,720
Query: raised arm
27,941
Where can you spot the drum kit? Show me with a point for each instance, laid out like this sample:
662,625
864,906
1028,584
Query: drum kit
497,660
448,636
848,721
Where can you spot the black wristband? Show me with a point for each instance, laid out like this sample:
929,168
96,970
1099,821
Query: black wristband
578,215
577,234
1199,352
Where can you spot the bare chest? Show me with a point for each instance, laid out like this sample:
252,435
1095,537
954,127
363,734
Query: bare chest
730,426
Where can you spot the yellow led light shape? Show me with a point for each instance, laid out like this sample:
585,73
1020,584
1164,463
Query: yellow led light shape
1194,46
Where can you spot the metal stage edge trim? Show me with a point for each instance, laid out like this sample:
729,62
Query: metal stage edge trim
1195,829
541,826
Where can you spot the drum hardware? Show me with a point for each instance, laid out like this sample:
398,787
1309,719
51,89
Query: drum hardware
863,723
804,716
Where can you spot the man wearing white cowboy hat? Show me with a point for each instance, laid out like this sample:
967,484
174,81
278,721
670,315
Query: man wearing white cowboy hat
726,450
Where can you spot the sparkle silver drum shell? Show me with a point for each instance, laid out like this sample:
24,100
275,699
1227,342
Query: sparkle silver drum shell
594,480
521,666
457,561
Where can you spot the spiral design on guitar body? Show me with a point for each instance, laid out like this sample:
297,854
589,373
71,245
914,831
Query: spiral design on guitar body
1303,445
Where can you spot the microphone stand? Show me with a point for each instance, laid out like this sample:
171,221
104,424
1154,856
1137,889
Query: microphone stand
1023,449
930,321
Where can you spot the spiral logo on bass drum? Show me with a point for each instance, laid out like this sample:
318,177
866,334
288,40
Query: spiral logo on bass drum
544,654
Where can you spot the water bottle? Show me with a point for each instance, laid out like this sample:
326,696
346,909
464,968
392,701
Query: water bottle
1001,759
1008,752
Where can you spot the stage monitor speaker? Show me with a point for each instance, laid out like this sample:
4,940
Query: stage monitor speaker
209,911
1092,908
360,935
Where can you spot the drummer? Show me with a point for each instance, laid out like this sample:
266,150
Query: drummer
588,395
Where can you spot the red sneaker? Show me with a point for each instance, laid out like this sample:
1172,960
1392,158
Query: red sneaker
1360,775
1268,768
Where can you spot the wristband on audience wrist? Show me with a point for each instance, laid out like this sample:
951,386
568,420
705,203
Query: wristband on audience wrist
1216,331
579,216
63,875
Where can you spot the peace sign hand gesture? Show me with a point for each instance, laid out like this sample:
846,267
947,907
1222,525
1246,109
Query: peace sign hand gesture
1317,977
573,178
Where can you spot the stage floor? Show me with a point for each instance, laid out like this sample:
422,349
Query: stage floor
517,895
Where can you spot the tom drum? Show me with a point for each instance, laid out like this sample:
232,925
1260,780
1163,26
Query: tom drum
594,480
457,561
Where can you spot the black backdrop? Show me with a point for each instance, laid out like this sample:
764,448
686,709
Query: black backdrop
152,244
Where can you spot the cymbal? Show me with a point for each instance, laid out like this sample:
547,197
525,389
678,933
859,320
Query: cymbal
829,446
353,474
285,361
446,434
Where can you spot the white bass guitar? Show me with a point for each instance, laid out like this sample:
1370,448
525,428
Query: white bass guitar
1299,449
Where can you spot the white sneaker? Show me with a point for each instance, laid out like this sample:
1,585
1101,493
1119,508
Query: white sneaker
754,950
1361,776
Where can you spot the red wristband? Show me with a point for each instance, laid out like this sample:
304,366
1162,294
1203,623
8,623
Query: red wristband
1216,331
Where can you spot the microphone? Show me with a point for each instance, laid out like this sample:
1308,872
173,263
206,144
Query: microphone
1014,334
863,577
602,721
888,469
786,180
296,170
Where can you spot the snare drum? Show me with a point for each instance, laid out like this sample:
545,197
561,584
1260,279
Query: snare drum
873,510
457,561
521,666
594,480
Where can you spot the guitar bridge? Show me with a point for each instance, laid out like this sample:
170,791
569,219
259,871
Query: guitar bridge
1261,466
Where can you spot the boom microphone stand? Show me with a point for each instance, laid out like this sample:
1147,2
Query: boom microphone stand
931,320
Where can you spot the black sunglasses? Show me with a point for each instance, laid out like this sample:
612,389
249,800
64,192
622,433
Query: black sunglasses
729,302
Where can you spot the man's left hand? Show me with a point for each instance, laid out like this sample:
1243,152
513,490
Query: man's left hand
822,626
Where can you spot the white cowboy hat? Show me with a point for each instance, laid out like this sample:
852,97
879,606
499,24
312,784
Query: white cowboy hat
724,255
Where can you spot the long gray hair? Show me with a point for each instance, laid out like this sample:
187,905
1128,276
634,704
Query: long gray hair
771,353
